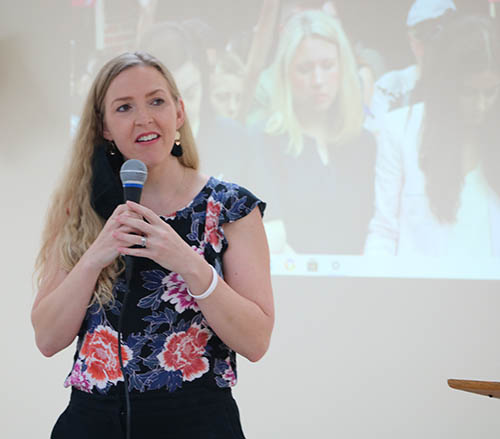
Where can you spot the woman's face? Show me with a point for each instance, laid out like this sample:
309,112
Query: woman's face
141,116
314,74
188,80
479,93
225,94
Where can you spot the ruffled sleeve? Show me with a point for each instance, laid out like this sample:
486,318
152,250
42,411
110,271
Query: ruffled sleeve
237,203
226,203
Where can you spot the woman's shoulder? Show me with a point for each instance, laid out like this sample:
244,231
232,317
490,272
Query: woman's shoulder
362,144
227,190
232,200
365,139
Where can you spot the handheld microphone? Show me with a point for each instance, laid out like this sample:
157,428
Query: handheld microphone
133,175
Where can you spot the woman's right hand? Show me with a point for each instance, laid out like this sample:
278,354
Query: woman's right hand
103,250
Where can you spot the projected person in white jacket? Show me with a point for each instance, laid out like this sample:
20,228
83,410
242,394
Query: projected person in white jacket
437,189
394,89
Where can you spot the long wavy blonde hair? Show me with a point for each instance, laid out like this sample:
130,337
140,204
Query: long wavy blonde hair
349,103
72,225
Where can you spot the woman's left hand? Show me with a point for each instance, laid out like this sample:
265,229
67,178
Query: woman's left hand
162,243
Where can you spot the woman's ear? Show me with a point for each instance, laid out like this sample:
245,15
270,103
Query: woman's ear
105,133
181,113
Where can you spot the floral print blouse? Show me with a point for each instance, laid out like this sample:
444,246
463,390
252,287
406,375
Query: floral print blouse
166,344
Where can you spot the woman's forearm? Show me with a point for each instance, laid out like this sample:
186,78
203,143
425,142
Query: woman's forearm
239,322
62,301
58,315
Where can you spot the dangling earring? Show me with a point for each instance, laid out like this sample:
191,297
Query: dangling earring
177,148
112,149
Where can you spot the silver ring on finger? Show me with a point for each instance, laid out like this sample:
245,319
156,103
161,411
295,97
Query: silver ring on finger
143,241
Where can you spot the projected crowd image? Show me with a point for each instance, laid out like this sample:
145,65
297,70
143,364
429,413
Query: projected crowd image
370,128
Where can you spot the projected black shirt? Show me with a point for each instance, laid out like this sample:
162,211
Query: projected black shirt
325,208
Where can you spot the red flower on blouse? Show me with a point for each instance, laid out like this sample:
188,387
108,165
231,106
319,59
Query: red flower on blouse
100,353
184,351
212,233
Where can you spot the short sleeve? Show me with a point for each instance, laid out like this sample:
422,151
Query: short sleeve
237,202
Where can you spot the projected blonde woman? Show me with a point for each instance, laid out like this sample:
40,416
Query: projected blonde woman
321,160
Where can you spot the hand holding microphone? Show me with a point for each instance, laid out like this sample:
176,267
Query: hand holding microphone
156,239
104,250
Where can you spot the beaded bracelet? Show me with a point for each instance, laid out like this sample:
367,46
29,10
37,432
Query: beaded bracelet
210,289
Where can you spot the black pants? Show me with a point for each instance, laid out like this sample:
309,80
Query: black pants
204,413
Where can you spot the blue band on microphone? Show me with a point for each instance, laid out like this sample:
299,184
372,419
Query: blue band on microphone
133,185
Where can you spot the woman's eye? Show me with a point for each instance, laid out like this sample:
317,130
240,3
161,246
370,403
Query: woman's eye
123,108
158,101
305,68
329,65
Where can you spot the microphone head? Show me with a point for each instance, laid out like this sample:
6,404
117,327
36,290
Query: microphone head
133,173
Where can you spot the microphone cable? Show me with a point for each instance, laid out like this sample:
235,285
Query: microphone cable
128,276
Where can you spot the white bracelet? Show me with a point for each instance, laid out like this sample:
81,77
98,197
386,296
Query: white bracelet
210,289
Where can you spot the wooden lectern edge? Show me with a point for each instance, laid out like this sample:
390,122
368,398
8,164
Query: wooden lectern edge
486,388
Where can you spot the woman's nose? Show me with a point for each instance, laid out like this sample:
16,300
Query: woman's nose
318,75
143,116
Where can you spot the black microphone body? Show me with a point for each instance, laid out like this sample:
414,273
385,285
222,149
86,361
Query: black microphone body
132,193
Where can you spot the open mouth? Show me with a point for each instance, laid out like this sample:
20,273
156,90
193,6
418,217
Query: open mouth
147,138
